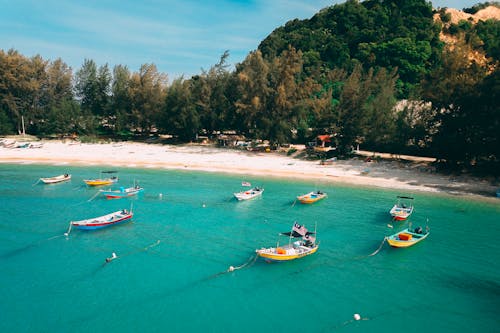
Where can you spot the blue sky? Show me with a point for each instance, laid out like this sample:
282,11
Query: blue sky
180,37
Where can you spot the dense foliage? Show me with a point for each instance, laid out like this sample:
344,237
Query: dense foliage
373,73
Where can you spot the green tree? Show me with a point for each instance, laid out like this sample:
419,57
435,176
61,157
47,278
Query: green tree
147,94
253,90
120,110
453,92
86,86
179,116
57,100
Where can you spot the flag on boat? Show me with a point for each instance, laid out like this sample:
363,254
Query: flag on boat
309,237
300,229
246,184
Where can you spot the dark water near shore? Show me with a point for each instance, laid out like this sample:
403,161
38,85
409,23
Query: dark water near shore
171,272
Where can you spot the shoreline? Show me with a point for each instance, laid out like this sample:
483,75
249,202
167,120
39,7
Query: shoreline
389,174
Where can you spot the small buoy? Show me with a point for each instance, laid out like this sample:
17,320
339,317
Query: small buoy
231,268
204,205
357,316
160,195
390,226
113,256
66,234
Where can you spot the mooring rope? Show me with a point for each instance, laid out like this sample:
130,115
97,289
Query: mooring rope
93,197
249,263
114,256
356,317
69,229
36,182
379,248
18,251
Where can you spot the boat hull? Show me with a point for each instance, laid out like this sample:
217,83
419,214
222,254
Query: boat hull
119,194
247,195
397,240
271,254
310,198
400,214
100,182
57,179
102,222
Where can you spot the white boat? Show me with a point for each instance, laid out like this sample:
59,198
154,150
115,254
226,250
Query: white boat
402,209
56,179
122,192
103,221
249,194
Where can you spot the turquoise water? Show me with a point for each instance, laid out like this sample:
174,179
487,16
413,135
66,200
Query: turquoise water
171,272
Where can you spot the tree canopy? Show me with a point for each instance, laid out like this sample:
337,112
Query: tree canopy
374,73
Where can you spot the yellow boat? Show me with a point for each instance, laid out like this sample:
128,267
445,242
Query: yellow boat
311,197
293,250
102,181
408,237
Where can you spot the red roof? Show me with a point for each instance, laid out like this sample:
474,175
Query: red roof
325,137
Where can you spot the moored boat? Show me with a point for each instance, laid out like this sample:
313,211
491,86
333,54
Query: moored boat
102,180
311,197
122,192
402,209
249,194
103,221
56,179
408,237
294,249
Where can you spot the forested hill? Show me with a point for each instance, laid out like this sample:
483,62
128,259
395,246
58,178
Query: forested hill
391,34
390,75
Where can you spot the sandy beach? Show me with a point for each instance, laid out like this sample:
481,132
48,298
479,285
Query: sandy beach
405,174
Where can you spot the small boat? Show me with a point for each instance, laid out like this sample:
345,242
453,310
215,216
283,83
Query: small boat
122,192
101,180
249,194
103,221
56,179
408,237
498,193
294,249
402,209
311,197
36,145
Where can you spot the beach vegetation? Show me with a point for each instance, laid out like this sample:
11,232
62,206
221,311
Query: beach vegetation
371,73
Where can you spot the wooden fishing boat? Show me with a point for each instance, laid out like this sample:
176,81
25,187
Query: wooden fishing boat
102,180
56,179
402,209
103,221
295,249
311,197
122,192
249,194
408,237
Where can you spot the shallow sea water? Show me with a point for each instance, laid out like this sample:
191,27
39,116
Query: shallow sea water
171,272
